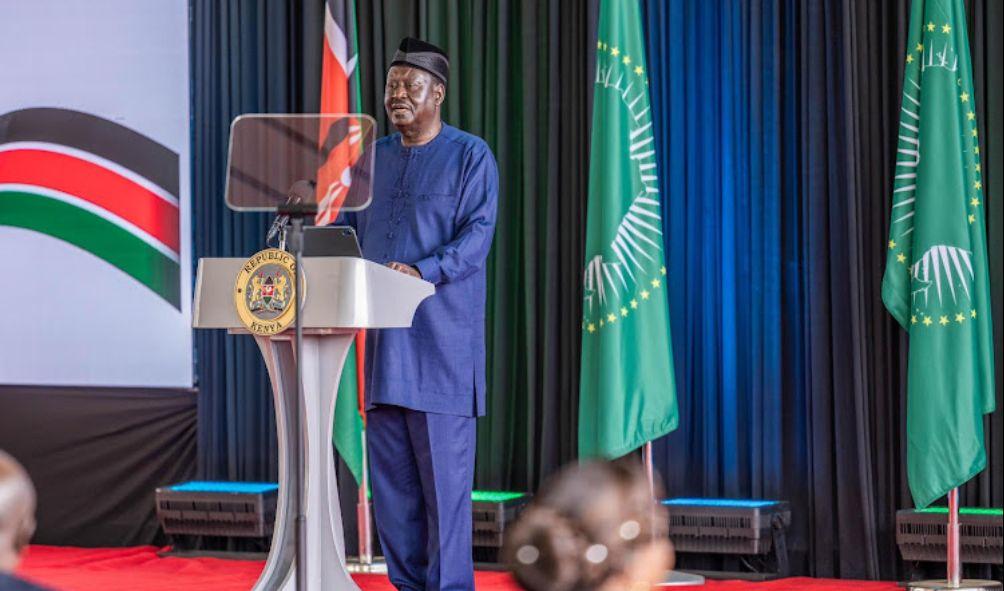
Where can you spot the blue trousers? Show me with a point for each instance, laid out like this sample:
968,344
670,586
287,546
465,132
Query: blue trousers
422,472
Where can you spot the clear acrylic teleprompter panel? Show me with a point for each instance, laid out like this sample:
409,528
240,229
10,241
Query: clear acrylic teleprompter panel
269,153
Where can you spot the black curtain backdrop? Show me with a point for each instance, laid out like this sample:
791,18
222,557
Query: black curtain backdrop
246,57
96,455
520,79
775,120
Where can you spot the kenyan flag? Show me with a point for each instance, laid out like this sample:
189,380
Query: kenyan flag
97,185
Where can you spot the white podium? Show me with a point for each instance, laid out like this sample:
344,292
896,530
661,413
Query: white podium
342,295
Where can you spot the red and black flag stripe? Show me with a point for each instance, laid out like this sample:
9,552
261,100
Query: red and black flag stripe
97,185
339,95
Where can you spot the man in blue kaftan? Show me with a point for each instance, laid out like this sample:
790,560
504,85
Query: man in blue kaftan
435,194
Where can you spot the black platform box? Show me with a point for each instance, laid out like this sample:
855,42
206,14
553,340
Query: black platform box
228,509
492,512
726,526
921,534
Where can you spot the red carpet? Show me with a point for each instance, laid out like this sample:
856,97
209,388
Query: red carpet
140,569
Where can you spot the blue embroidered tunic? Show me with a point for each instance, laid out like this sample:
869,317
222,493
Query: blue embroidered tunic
433,207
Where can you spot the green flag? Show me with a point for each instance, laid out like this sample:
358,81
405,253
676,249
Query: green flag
628,393
349,430
936,282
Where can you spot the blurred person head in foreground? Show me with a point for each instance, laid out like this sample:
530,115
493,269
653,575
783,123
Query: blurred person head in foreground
17,511
593,527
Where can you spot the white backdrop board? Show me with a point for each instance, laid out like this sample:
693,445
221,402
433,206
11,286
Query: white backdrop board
94,193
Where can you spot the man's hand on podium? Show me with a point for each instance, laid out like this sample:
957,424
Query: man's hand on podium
406,269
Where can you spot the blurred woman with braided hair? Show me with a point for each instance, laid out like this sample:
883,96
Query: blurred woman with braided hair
594,527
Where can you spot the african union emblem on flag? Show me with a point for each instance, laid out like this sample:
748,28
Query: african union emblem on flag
628,393
936,280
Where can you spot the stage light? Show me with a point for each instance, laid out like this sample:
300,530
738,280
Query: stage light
734,503
920,534
239,488
217,508
741,527
496,496
492,512
247,509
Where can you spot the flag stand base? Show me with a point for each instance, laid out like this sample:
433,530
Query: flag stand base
964,585
675,578
953,566
377,566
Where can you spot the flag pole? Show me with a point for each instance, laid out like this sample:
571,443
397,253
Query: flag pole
673,578
363,514
954,567
363,507
366,562
646,458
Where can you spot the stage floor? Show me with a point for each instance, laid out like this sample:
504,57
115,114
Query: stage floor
140,569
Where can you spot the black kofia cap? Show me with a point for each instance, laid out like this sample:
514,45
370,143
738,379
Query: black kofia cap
425,56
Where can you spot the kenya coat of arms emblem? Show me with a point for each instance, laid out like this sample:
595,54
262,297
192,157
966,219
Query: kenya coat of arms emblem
264,292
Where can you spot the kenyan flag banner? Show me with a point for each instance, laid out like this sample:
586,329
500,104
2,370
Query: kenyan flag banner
97,185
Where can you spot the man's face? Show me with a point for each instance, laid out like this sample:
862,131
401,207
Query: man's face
412,97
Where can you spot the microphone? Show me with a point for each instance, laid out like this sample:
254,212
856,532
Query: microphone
299,192
280,222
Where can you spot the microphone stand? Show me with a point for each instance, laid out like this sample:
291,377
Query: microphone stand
296,213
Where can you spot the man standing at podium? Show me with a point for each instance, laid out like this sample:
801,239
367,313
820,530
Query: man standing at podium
435,192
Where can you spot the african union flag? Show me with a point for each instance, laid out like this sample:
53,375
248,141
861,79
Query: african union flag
936,281
97,185
627,395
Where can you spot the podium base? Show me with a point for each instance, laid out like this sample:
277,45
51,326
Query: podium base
964,585
376,567
676,578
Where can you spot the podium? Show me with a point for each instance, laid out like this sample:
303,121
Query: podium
339,296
